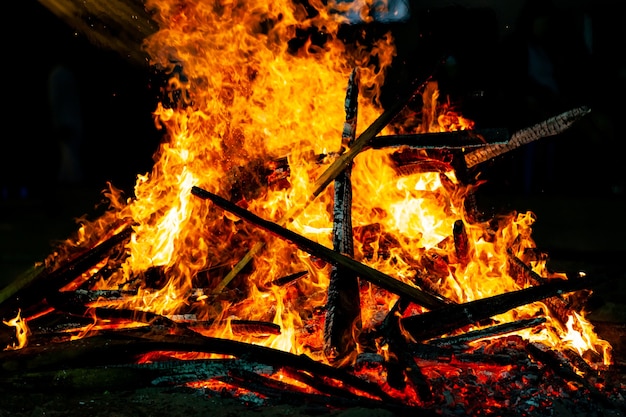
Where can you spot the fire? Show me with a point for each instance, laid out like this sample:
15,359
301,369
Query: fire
256,85
21,331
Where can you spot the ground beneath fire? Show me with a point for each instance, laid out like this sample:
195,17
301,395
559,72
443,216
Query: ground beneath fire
159,402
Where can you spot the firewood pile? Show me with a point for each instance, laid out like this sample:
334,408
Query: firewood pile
435,364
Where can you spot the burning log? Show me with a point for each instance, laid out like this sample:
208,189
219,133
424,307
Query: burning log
363,271
524,273
405,365
343,309
461,242
452,354
291,394
418,166
452,317
558,306
496,330
22,291
562,367
75,303
550,127
458,139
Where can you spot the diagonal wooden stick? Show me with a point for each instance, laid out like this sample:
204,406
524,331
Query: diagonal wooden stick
365,272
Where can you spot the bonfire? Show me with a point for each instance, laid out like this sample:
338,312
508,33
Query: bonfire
290,212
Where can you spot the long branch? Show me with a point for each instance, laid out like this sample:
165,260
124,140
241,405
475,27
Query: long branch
452,317
365,272
550,127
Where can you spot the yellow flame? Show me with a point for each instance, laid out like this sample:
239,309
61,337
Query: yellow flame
21,331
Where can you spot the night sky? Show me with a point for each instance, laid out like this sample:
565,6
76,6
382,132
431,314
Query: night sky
118,96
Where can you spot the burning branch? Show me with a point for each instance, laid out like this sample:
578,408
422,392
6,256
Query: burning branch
453,317
365,272
550,127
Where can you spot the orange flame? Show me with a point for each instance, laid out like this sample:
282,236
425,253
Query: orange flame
251,84
21,331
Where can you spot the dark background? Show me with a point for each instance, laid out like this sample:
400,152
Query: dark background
483,75
574,181
117,98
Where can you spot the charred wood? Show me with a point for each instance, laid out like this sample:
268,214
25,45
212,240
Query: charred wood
343,308
374,242
459,139
418,166
523,273
103,274
453,317
254,327
290,394
461,168
123,315
558,307
427,283
562,367
401,365
412,370
435,265
550,127
388,328
579,363
176,372
118,348
454,355
288,279
363,271
492,331
317,383
22,292
76,303
87,296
